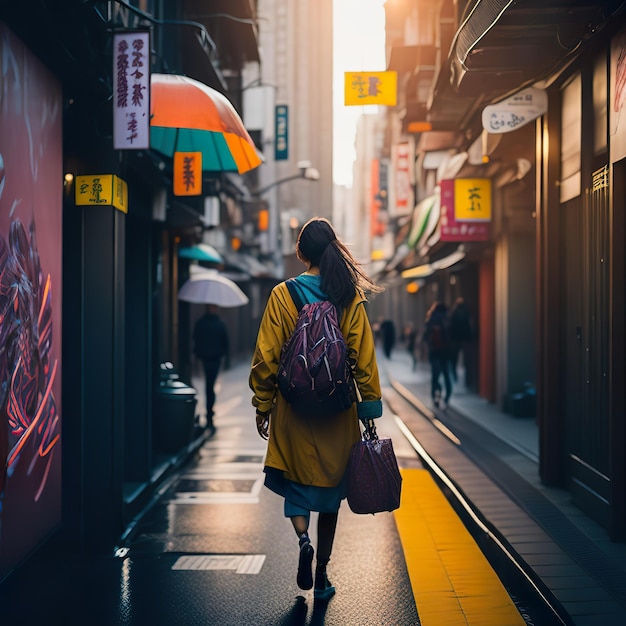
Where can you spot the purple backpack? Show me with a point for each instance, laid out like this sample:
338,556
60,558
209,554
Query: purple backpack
314,375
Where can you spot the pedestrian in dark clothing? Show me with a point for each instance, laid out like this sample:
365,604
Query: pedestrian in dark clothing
211,344
460,333
410,336
388,332
437,338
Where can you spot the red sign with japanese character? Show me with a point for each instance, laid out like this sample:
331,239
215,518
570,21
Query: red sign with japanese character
457,200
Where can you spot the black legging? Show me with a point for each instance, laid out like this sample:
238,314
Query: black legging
439,365
211,369
326,526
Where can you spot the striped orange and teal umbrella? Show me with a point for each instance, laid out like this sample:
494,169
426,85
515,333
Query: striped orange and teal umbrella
188,116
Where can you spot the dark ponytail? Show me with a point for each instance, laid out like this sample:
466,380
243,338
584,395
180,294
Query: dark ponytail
339,271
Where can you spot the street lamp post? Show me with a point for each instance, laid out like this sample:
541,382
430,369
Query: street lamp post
306,171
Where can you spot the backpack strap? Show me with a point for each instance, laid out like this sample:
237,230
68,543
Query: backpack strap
294,292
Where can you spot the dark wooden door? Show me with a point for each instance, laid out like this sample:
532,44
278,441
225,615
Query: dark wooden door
585,340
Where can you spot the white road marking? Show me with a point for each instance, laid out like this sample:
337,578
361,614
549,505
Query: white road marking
242,564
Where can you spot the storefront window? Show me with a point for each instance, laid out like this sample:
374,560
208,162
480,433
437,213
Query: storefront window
571,127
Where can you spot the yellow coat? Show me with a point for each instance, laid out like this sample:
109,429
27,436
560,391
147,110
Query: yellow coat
312,451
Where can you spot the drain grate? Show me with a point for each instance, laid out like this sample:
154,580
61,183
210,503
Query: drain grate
242,564
238,458
225,489
217,485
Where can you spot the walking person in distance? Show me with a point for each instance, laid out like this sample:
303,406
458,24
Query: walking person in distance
211,345
388,334
460,334
410,336
307,456
437,338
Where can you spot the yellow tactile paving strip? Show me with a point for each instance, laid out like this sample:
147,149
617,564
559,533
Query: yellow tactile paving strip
452,581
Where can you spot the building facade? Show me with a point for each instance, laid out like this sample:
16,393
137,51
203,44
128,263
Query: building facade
108,342
517,165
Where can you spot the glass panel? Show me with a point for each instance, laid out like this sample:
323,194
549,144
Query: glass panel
600,91
571,115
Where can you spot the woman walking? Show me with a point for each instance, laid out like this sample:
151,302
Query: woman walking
437,338
307,456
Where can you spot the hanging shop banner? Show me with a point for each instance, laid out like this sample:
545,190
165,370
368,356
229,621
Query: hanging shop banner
378,222
465,209
362,88
281,132
472,199
102,189
516,111
400,154
131,90
187,173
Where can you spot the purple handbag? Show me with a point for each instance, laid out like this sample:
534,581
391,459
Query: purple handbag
374,480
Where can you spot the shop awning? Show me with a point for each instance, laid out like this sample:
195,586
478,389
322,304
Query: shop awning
426,223
428,269
504,45
419,222
508,44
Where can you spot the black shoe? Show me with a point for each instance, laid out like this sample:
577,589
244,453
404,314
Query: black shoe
305,574
437,398
323,589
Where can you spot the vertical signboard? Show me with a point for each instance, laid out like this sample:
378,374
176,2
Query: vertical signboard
131,90
465,209
31,288
281,132
376,227
187,173
403,190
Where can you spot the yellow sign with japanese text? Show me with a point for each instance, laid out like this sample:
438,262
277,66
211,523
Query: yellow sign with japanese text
371,88
101,189
187,173
472,199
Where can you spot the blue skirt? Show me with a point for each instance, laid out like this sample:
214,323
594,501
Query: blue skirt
302,499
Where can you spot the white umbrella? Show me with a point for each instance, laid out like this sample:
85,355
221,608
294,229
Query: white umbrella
206,287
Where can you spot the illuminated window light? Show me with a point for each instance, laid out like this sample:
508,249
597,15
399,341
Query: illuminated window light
419,127
421,271
264,219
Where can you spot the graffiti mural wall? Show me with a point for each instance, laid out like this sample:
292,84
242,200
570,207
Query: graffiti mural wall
30,300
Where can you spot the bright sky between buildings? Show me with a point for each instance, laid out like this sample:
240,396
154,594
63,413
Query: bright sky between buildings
359,45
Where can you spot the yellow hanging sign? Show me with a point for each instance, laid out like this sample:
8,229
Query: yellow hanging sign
472,199
101,189
371,88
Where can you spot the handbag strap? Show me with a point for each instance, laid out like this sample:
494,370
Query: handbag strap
369,433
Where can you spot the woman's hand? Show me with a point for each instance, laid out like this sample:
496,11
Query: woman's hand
263,424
